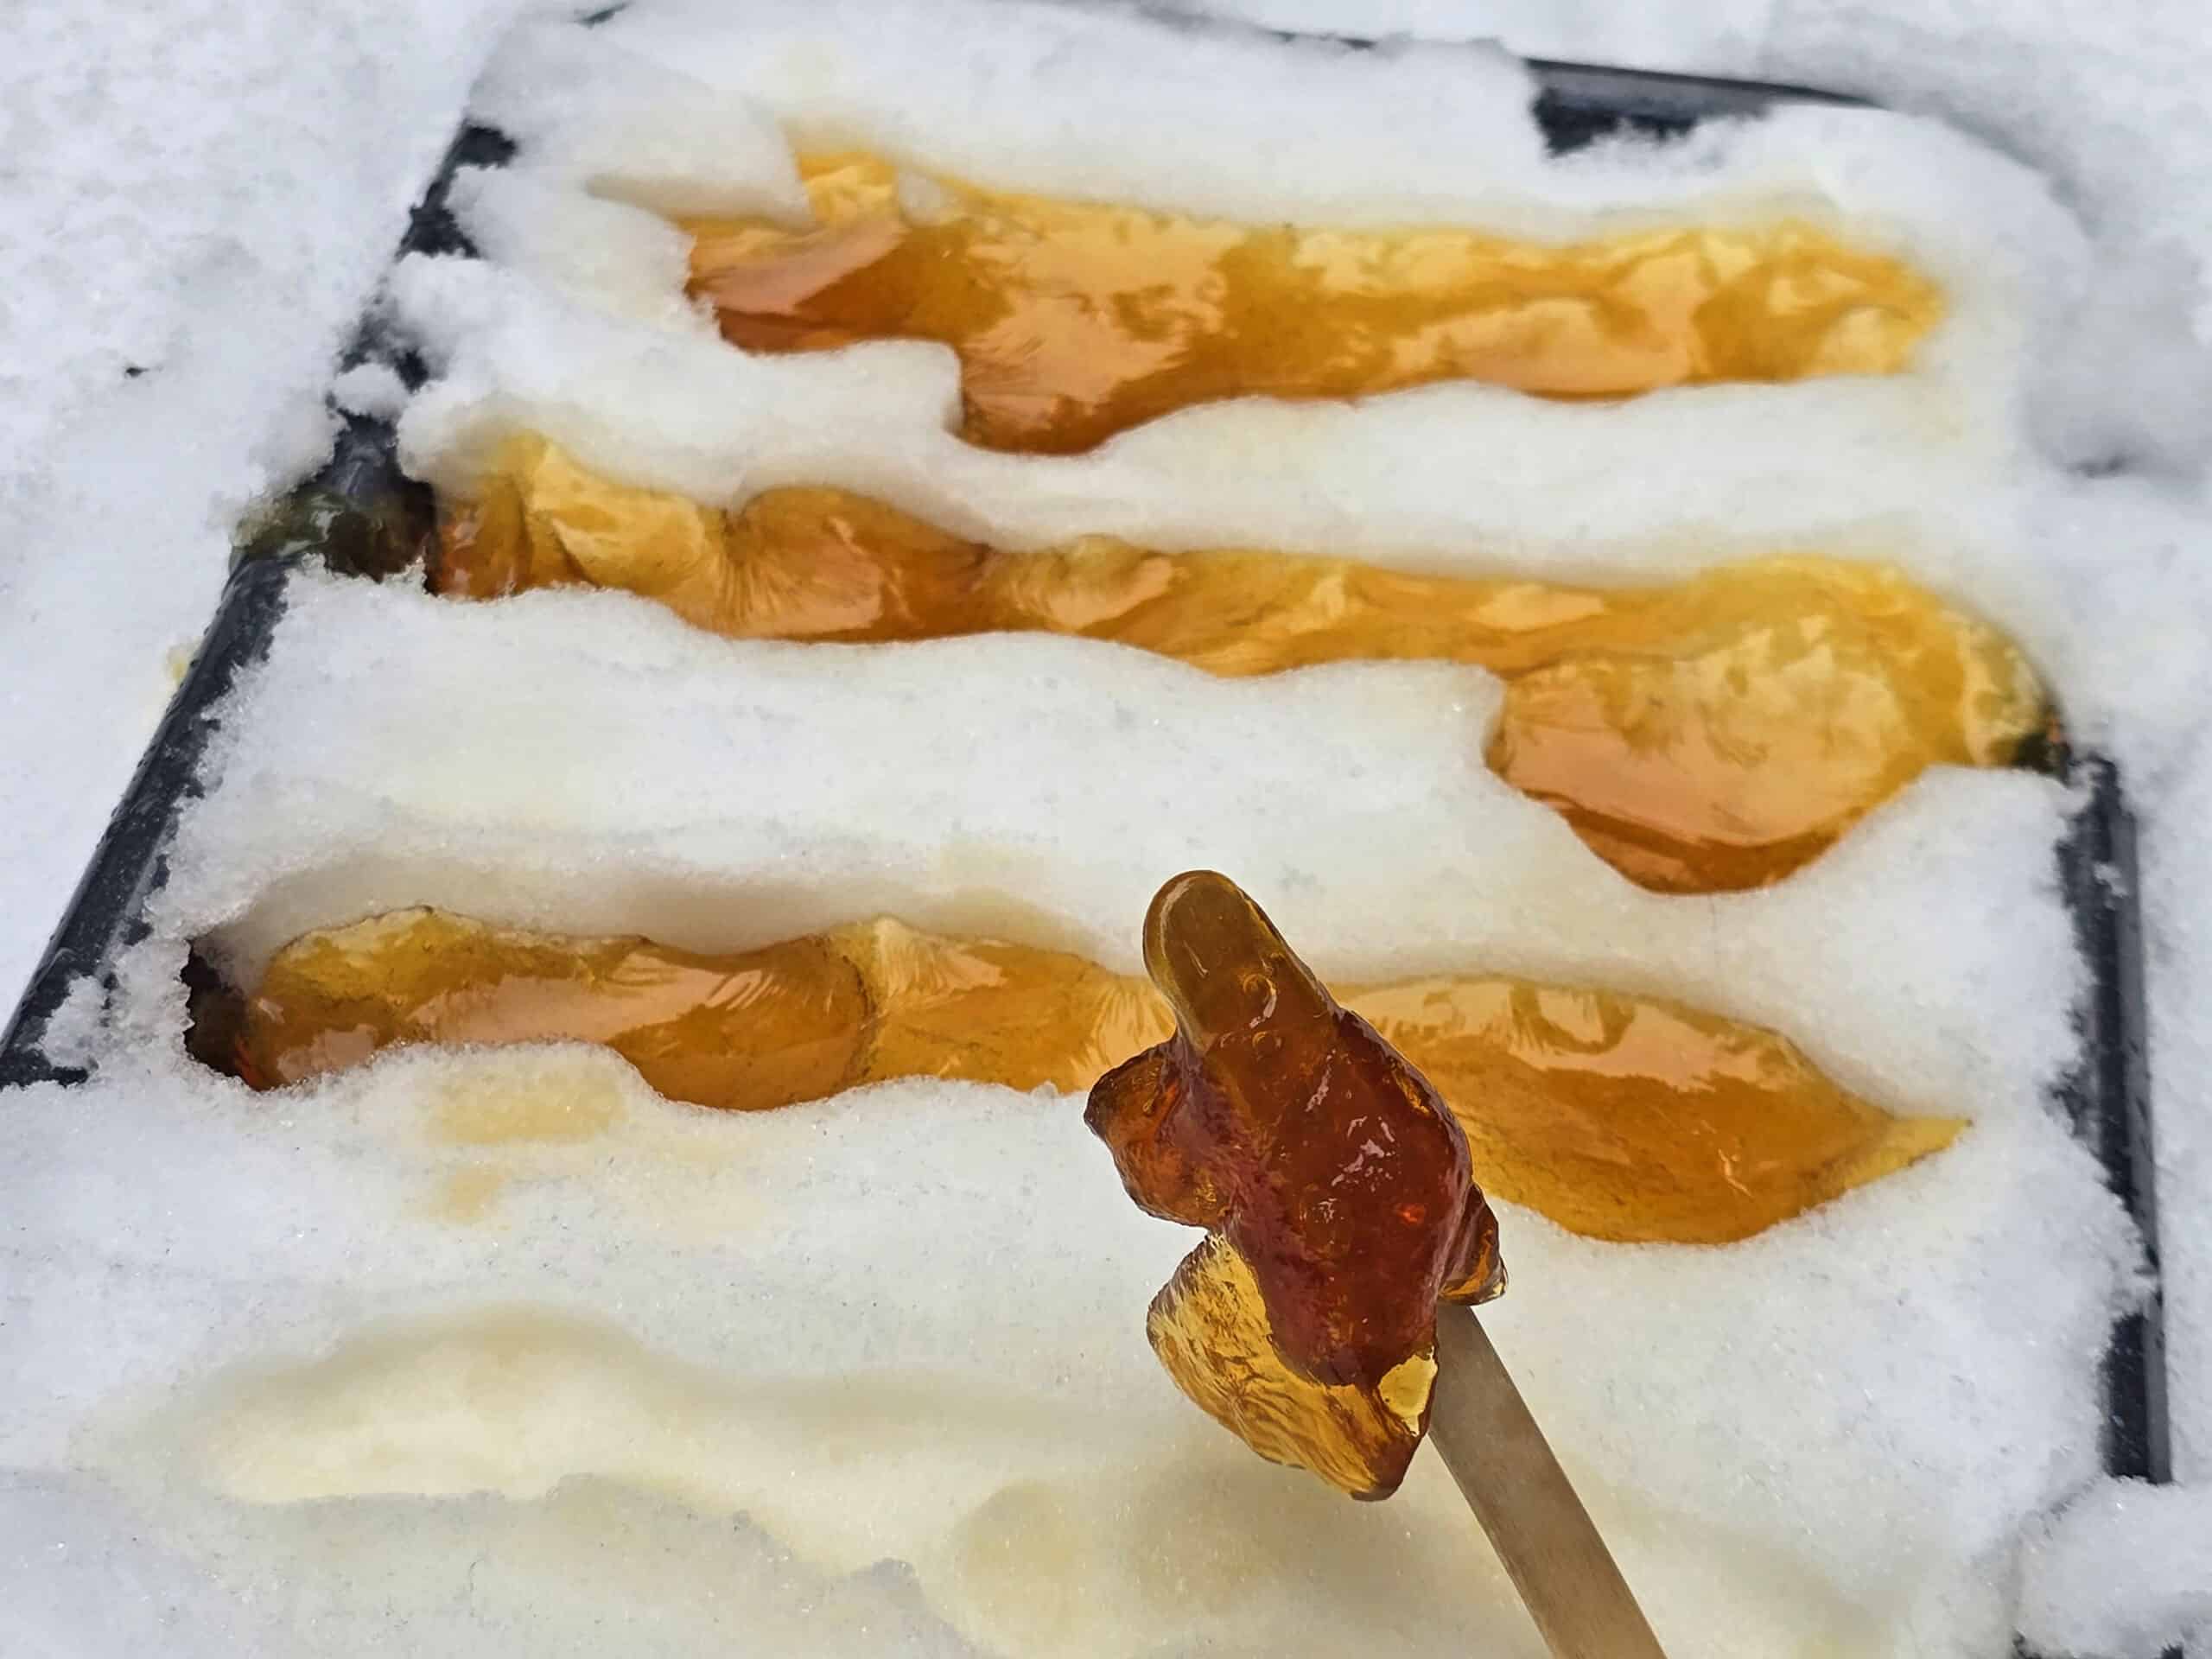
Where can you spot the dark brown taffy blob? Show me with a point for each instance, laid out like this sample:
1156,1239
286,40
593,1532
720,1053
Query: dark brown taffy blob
1333,1179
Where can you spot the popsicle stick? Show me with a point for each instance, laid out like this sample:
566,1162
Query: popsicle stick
1507,1474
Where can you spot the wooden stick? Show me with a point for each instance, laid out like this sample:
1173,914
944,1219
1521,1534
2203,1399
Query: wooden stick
1507,1474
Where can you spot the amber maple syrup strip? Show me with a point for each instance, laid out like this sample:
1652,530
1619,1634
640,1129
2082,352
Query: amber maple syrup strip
1620,1117
1073,320
1711,735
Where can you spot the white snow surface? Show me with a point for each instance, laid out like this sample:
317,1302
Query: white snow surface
2104,101
319,1372
920,1343
206,195
722,796
2124,1571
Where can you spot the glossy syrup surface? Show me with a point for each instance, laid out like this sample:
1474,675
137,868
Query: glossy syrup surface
1621,1117
749,1030
1280,1120
1332,1181
1074,320
1706,735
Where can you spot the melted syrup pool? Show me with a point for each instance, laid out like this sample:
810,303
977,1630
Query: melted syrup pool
1074,320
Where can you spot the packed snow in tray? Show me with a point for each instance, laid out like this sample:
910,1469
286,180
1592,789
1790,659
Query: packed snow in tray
497,1350
2124,1570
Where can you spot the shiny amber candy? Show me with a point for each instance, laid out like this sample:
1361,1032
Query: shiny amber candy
748,1031
1707,735
1332,1181
1620,1117
1073,320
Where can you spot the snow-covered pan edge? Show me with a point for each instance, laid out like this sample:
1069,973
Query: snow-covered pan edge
358,515
361,515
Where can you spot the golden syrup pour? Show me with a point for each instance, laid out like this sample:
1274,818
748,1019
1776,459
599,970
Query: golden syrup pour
1074,320
1621,1117
1707,736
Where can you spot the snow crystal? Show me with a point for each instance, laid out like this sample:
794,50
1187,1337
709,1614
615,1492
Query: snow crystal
1717,37
631,131
199,203
630,260
817,1319
371,389
76,1030
1034,95
2176,872
2124,1571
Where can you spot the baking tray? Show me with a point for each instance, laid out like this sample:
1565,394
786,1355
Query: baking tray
359,516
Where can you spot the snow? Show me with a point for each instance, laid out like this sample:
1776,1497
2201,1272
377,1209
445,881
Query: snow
198,202
2104,101
309,1316
1722,38
1409,478
1042,787
671,783
496,1368
1086,86
372,390
2124,1571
